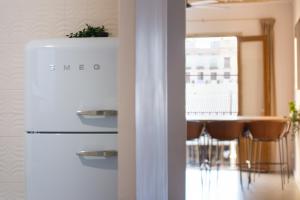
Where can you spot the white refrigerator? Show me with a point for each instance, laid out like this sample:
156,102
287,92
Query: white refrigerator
71,119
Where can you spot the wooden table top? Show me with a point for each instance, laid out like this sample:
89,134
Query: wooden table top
236,118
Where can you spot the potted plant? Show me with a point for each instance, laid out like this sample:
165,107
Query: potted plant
90,31
294,117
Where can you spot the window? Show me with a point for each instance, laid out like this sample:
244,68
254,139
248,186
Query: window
226,75
200,76
227,62
215,44
213,63
187,77
212,76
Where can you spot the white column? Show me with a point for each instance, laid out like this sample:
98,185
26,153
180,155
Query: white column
176,98
151,92
126,106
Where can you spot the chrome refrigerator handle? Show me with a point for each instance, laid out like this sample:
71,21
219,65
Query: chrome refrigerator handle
103,154
95,113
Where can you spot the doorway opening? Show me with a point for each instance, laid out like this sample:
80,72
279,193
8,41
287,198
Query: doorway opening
211,77
211,92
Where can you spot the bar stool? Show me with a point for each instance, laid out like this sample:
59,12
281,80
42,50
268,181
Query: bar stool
267,131
285,137
194,130
226,131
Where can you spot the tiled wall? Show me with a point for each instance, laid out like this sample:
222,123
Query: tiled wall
20,22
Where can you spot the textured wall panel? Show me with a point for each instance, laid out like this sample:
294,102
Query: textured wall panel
12,125
12,159
12,191
20,22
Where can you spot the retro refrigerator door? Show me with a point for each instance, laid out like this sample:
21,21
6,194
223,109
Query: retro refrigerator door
71,167
71,85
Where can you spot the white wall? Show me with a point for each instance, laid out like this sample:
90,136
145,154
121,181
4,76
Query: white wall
244,19
126,104
21,21
296,17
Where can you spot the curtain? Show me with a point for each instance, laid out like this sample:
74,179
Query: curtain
297,29
267,26
297,35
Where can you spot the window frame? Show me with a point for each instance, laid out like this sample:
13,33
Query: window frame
266,70
266,73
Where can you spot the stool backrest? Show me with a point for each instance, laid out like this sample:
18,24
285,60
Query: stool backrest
194,130
267,130
288,128
225,130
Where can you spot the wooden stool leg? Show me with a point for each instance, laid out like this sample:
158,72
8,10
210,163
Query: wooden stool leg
240,162
259,157
280,157
287,158
218,159
255,156
250,161
210,154
283,160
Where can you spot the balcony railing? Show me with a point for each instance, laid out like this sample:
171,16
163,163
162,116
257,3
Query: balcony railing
212,98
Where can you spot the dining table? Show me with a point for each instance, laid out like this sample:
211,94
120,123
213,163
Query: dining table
239,118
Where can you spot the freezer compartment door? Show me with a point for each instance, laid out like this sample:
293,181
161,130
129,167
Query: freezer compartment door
71,85
71,167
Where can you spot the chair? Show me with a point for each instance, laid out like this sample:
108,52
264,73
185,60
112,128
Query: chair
267,131
194,130
226,131
285,137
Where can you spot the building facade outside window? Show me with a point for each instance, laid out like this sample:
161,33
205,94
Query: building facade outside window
212,77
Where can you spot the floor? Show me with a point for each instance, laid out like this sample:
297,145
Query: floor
202,185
